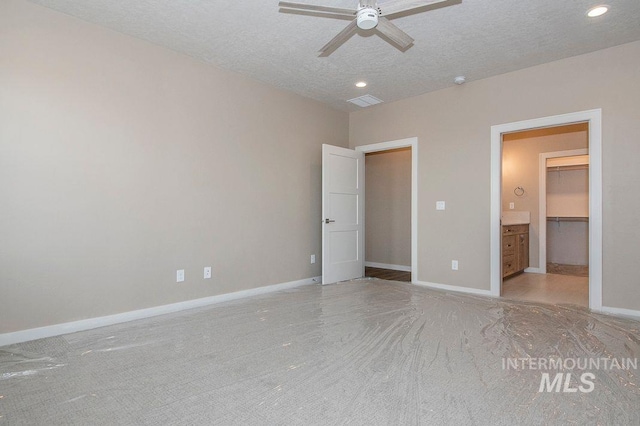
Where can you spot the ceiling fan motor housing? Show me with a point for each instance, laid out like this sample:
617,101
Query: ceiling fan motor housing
367,18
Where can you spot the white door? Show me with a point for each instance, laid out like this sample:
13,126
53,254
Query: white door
342,214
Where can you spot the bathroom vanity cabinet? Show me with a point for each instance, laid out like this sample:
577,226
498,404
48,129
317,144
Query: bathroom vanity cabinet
515,249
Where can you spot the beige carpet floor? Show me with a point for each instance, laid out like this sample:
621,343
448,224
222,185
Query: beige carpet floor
561,269
366,352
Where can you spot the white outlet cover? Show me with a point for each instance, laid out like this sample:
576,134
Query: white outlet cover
313,258
454,265
512,206
180,275
207,272
440,205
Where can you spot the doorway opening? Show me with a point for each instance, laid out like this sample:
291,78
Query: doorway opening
593,120
545,215
388,214
391,170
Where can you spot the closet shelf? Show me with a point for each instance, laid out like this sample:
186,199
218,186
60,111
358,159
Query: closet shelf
567,219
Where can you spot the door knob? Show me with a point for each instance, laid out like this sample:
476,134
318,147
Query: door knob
329,221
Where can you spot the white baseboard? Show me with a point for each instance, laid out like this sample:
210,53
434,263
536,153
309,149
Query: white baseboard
534,270
87,324
455,288
620,312
388,266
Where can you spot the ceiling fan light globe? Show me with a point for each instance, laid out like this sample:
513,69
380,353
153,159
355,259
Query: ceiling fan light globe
367,18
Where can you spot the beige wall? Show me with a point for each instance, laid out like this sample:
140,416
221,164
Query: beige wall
388,207
121,162
568,243
520,167
568,192
453,127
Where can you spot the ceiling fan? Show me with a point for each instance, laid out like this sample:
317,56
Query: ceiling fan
367,16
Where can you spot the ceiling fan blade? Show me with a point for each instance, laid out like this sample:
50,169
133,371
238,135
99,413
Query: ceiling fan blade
302,6
393,7
394,33
338,40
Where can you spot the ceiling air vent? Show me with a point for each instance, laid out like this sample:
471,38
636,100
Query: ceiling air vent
365,101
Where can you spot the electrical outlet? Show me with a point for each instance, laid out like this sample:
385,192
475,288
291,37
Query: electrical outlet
180,275
313,258
454,265
207,272
512,206
439,205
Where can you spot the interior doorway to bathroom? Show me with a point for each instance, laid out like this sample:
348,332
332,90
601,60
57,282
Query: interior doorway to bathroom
545,214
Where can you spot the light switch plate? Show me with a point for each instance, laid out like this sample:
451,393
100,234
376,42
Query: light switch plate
439,205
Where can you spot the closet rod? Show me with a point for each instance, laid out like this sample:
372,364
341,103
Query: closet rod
567,219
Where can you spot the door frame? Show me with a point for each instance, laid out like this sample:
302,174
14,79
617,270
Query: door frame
413,144
542,201
594,119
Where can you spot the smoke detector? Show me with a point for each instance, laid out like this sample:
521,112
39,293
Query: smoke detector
459,80
367,18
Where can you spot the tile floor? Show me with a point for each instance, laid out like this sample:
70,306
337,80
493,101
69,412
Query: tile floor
547,288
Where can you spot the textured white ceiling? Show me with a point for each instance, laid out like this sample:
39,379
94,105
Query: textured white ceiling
475,38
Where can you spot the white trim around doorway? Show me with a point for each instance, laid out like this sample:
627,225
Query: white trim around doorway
594,119
413,144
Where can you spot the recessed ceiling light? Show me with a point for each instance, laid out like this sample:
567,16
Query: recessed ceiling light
597,11
361,84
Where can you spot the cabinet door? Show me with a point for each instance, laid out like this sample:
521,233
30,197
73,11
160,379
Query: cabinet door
523,251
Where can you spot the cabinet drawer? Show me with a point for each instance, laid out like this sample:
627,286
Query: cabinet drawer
515,229
509,245
508,265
